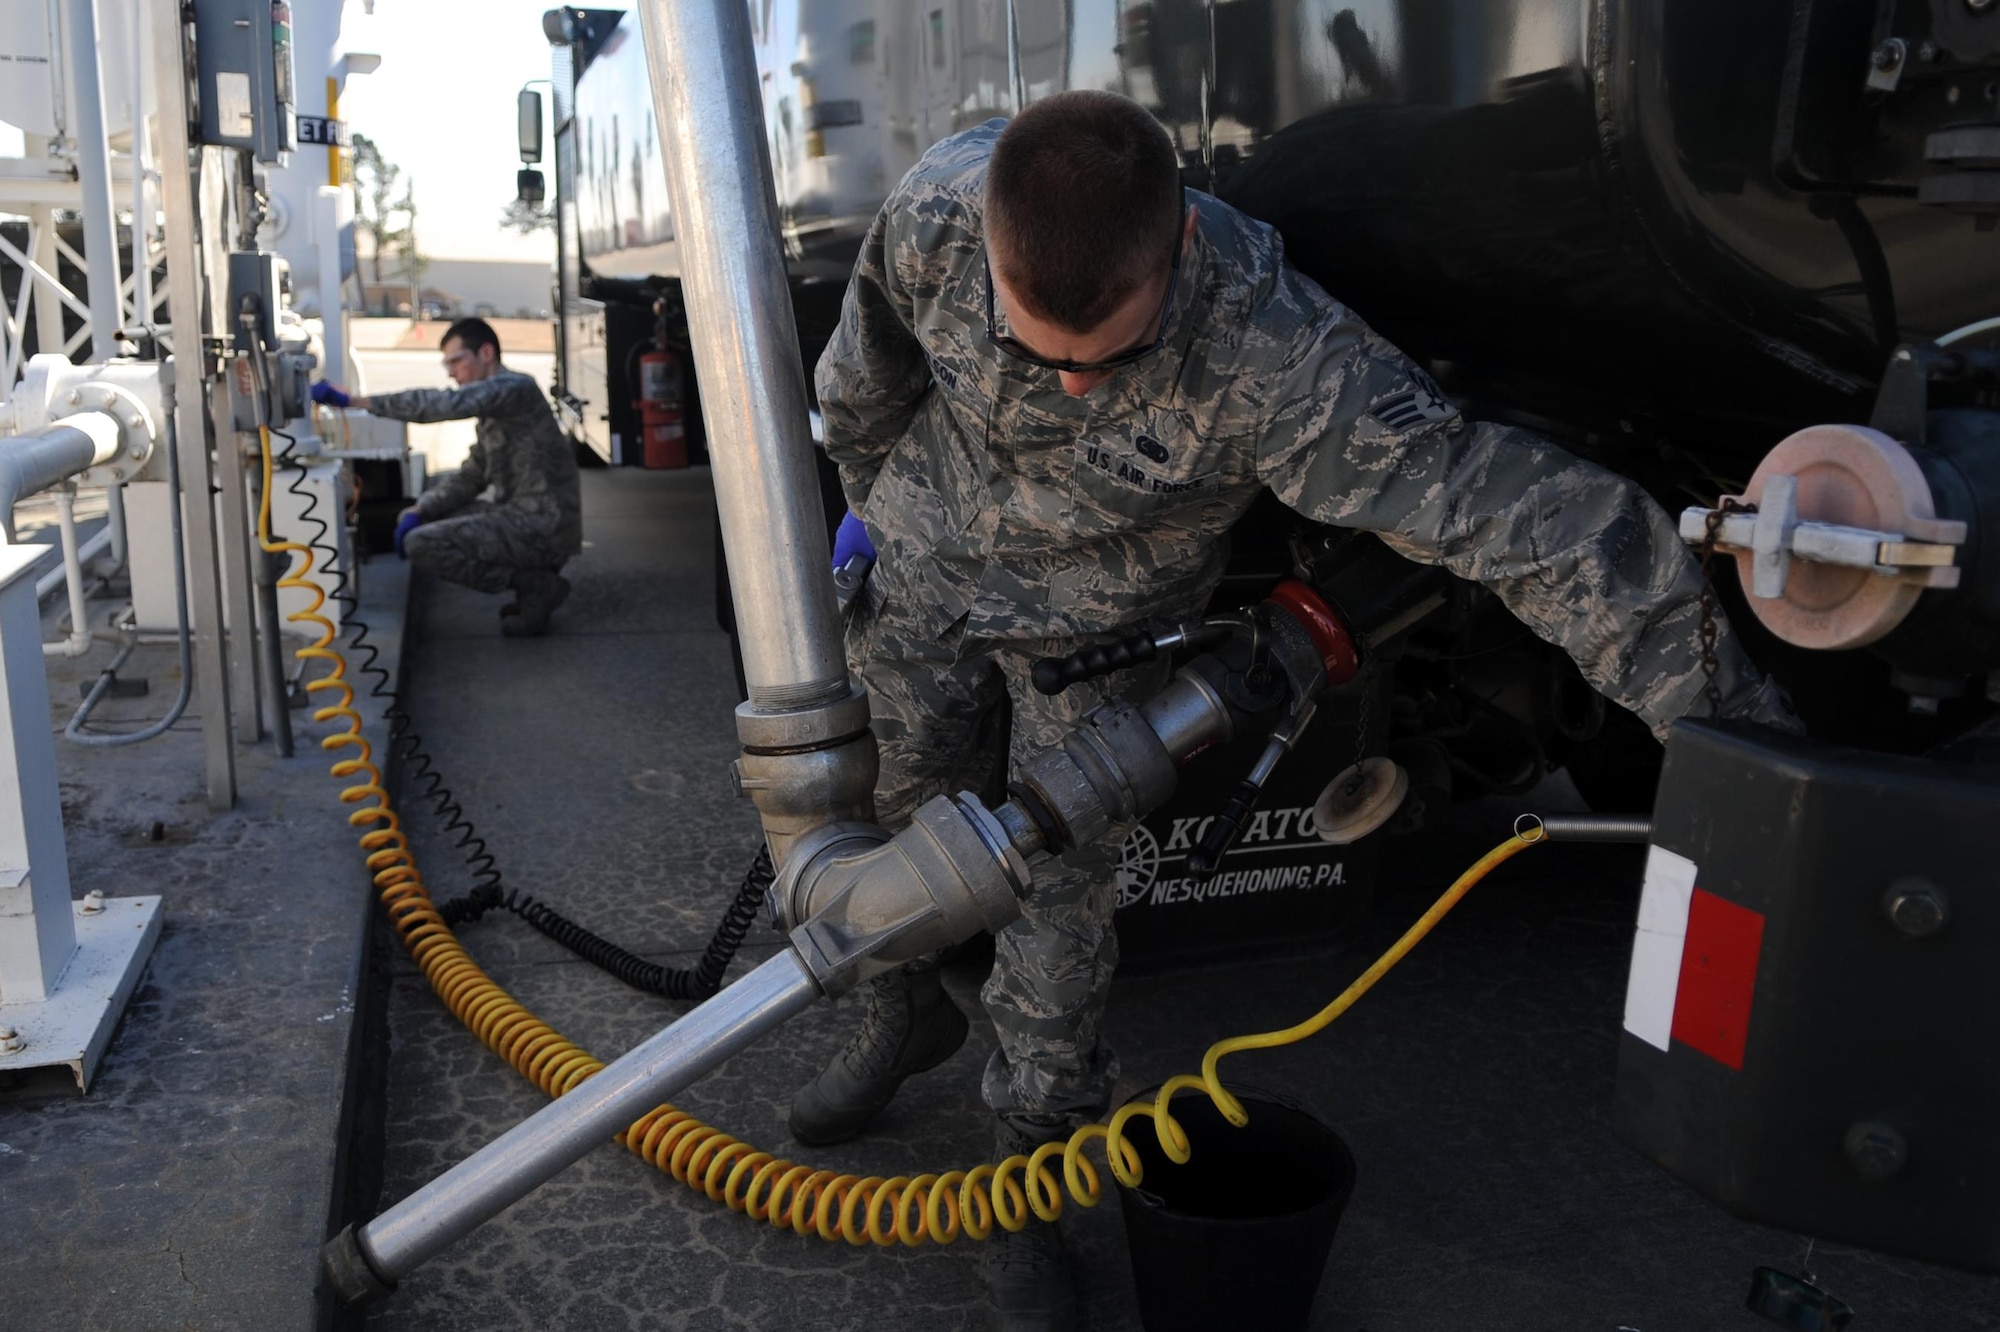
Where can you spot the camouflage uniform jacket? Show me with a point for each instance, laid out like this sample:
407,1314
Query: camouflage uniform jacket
991,494
521,453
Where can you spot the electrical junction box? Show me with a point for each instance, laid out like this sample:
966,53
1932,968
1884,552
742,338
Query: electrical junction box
1813,1005
259,283
243,58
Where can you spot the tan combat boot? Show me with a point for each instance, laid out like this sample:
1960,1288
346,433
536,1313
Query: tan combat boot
537,593
1030,1286
911,1025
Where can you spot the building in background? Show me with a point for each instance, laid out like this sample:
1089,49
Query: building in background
452,288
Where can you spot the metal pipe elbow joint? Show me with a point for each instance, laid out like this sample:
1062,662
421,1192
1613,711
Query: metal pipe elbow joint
54,452
860,902
869,905
807,769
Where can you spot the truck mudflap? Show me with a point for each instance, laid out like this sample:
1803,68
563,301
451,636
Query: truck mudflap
1814,1002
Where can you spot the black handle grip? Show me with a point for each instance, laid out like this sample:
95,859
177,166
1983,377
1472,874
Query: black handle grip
848,579
1205,859
1052,675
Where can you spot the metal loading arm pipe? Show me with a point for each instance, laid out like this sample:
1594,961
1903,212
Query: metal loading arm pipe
37,460
746,350
370,1261
78,641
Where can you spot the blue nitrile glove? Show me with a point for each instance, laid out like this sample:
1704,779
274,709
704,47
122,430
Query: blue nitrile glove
326,393
404,526
851,539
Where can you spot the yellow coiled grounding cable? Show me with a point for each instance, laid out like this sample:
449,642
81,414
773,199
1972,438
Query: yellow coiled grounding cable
901,1210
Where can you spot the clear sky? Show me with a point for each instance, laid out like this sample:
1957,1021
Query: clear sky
442,108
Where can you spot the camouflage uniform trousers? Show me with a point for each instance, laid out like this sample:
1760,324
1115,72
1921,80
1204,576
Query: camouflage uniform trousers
483,545
930,697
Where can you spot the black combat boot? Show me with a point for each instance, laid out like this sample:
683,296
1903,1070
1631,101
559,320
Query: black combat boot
537,593
911,1025
1029,1284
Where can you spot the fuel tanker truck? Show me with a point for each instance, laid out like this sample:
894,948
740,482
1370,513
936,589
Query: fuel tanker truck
1669,235
1743,254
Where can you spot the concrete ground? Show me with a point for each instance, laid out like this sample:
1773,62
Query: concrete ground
193,1185
1474,1084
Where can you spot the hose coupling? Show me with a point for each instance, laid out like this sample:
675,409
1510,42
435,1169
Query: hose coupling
807,769
353,1278
870,905
1118,764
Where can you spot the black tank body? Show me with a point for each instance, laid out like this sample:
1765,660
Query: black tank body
1684,219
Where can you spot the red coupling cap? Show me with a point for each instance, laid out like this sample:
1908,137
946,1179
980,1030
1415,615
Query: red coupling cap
1324,626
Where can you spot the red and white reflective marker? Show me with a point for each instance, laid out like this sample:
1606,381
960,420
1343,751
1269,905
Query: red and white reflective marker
1694,964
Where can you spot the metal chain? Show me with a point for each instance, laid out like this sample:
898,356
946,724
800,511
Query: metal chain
1361,718
1711,629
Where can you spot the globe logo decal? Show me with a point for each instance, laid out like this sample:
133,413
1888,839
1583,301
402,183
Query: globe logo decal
1138,866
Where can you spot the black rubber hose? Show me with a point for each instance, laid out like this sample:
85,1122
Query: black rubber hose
414,762
697,982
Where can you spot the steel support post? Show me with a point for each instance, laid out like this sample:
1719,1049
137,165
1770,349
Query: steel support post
93,167
271,640
48,305
239,587
66,968
332,211
179,165
37,934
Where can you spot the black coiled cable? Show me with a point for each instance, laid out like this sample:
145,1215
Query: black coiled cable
697,982
413,761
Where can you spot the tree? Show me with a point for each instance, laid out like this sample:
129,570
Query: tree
388,219
415,263
527,218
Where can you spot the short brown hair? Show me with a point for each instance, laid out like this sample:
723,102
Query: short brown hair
1083,203
472,334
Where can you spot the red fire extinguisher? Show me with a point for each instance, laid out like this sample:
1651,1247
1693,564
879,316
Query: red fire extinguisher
659,408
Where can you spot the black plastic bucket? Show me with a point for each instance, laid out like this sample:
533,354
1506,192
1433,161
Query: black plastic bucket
1239,1236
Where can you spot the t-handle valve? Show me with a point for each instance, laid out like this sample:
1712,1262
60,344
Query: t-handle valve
1052,675
1222,831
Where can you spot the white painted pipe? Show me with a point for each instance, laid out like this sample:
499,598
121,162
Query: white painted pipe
94,545
114,523
142,216
78,641
332,211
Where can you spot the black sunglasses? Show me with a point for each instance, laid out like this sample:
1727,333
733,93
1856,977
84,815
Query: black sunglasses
1007,343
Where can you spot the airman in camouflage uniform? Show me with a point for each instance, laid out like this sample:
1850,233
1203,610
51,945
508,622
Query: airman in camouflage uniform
1012,519
534,521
